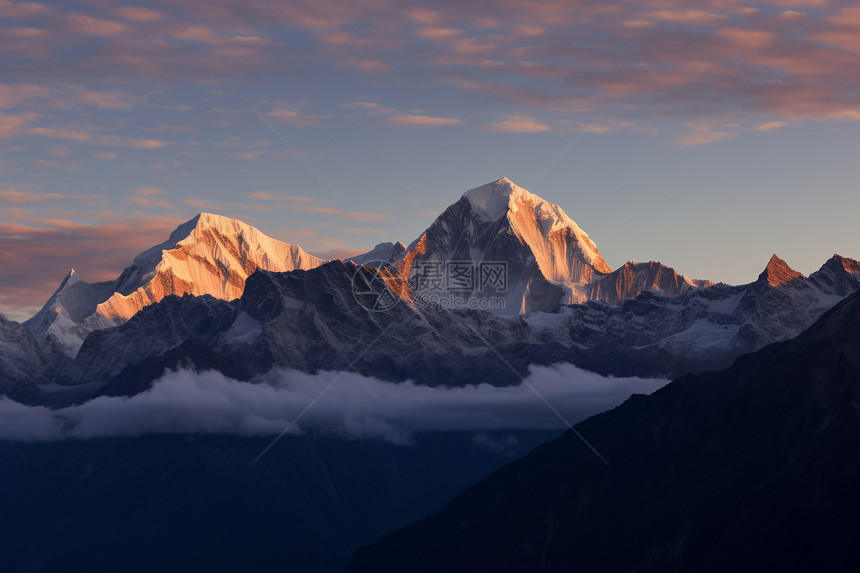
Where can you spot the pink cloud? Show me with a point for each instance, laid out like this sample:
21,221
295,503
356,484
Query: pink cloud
15,94
131,142
650,59
769,126
253,154
748,39
438,34
84,24
694,17
10,125
198,33
22,9
35,258
139,13
150,191
20,197
60,133
517,124
421,121
367,65
295,117
845,17
701,134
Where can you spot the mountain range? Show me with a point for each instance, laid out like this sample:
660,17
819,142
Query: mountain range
759,415
746,469
219,294
208,255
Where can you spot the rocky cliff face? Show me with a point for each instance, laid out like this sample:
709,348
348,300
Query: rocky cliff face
632,279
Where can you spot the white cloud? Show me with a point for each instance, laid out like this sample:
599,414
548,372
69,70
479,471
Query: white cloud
356,406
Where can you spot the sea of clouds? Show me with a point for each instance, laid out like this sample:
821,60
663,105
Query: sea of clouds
187,402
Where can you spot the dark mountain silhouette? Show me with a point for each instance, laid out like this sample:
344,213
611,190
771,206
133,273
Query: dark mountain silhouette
752,468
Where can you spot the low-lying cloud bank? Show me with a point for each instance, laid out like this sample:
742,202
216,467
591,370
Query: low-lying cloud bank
350,404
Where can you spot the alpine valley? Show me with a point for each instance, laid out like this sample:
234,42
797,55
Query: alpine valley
765,373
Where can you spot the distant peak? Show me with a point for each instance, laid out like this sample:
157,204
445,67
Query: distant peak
71,278
842,264
777,272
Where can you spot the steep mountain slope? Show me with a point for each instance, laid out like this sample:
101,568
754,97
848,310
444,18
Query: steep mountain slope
209,254
384,252
751,468
631,279
546,254
25,362
548,258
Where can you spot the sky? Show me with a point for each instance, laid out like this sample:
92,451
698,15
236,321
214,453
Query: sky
707,135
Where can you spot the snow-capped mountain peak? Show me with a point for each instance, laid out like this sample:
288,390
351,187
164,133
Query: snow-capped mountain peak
546,255
208,254
527,214
492,201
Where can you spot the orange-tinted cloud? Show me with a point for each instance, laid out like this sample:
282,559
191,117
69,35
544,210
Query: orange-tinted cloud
150,191
517,124
770,125
60,133
421,121
139,13
295,117
83,24
701,134
113,140
10,125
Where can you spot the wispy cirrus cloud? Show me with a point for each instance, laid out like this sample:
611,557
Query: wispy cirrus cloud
678,59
